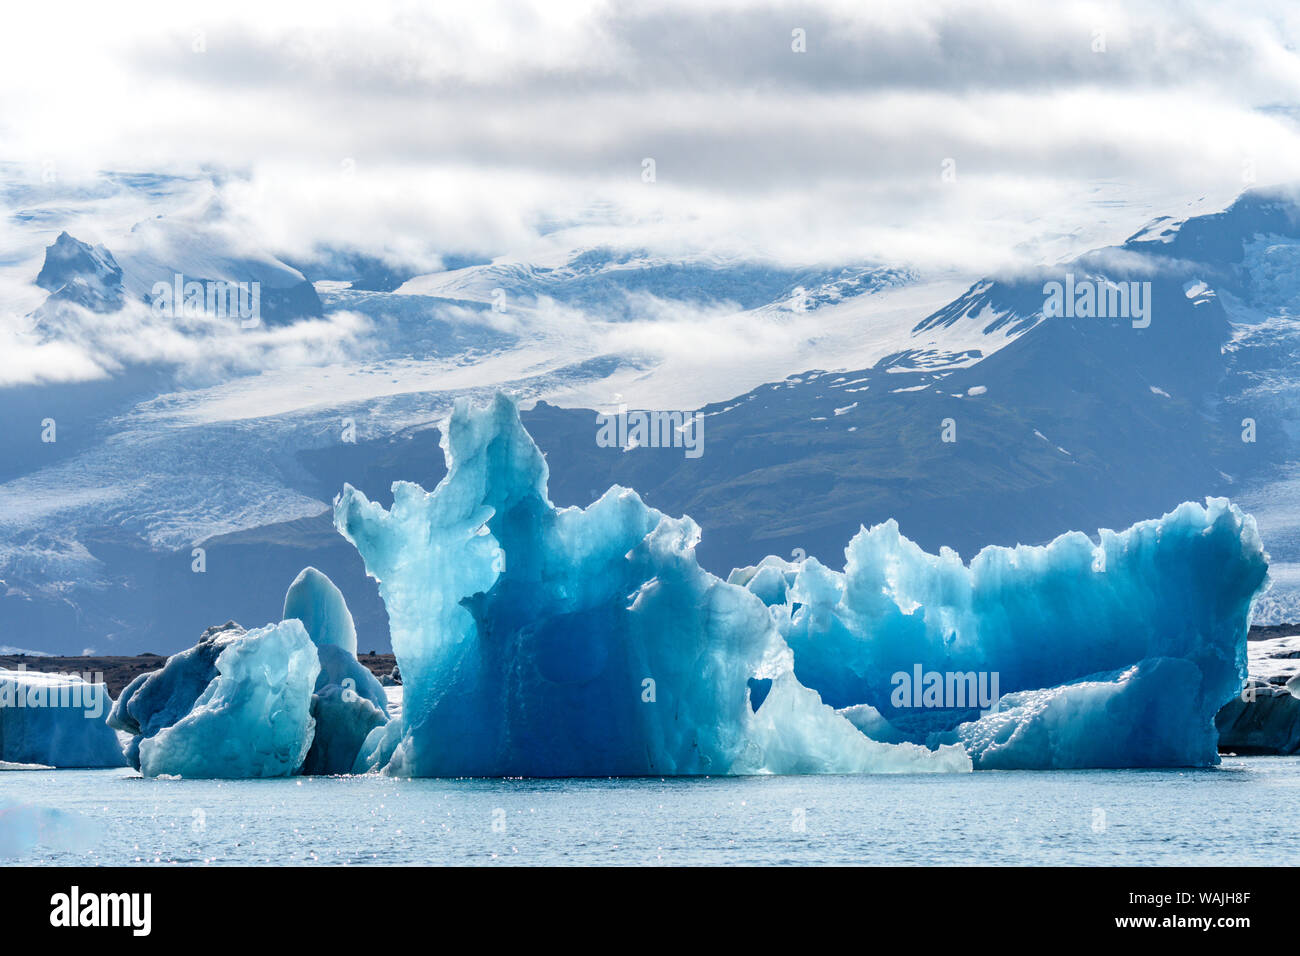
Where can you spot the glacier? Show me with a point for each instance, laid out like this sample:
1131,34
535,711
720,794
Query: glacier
539,641
55,720
1114,653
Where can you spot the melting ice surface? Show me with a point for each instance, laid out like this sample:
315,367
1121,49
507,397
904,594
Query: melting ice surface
252,720
537,641
285,698
347,702
55,720
1110,654
24,825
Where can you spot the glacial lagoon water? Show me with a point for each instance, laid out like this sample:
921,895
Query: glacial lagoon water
1241,813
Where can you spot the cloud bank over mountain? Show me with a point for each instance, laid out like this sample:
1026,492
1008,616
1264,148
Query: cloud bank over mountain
939,134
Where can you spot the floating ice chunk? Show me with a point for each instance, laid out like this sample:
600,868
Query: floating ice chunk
1152,714
1163,594
55,720
288,697
1264,718
254,718
158,699
318,603
23,827
313,599
348,700
539,641
343,721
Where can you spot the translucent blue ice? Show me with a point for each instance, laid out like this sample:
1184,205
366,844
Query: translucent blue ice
55,720
313,599
287,698
318,604
343,722
551,642
158,699
253,719
1152,714
348,700
1111,653
24,826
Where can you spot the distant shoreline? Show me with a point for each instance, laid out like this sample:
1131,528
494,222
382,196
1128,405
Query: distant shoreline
120,671
1267,632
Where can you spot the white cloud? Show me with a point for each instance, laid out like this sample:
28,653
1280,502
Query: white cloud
468,129
202,349
410,132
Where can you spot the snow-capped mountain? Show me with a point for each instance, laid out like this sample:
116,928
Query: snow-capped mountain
158,250
160,254
78,273
1076,421
1058,421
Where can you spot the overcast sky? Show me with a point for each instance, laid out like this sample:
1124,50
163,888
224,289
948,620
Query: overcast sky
477,127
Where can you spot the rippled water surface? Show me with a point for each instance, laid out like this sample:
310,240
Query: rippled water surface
1241,813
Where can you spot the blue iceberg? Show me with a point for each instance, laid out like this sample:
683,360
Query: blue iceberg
1114,653
55,720
286,698
536,641
348,702
540,641
1152,714
155,700
550,642
252,720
